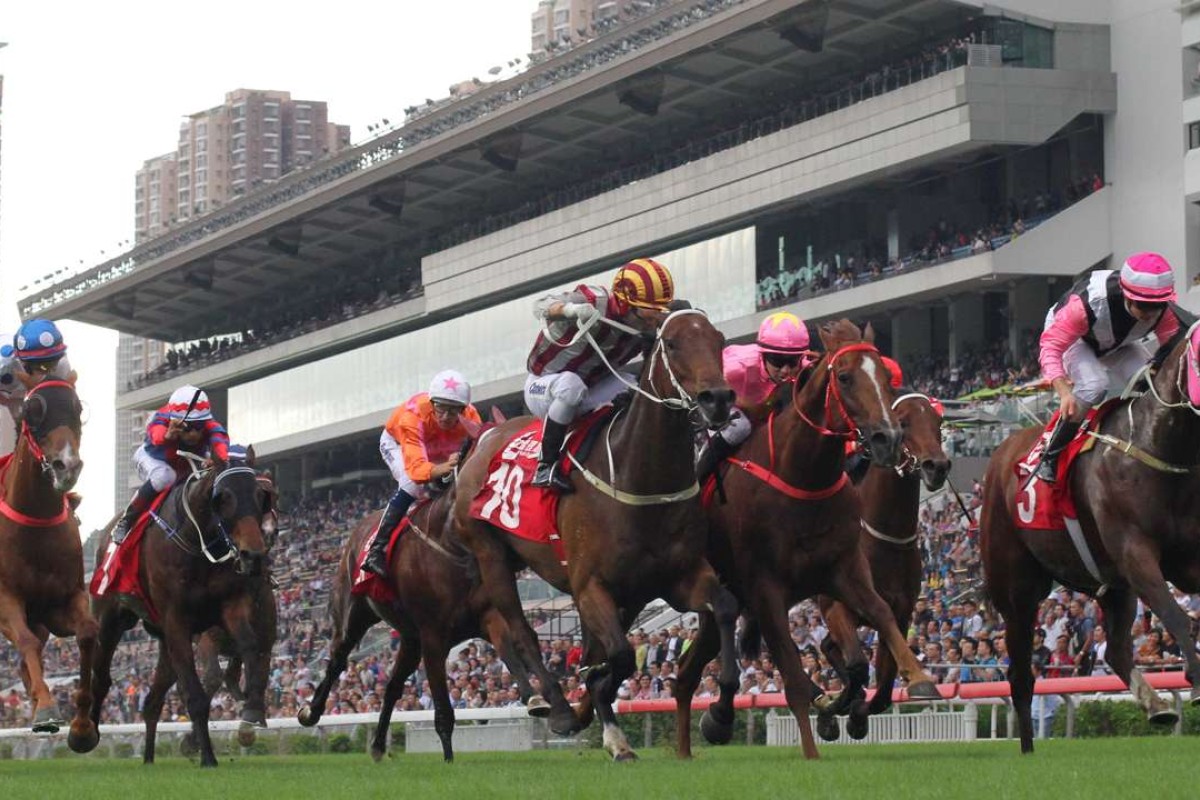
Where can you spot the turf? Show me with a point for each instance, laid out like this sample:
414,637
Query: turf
1096,768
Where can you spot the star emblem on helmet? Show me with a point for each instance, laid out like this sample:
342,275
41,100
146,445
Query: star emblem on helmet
450,384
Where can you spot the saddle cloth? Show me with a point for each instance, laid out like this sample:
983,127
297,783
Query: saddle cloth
1039,506
506,499
119,571
368,584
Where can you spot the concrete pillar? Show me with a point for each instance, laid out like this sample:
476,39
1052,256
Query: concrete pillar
952,329
967,322
306,474
1014,329
893,233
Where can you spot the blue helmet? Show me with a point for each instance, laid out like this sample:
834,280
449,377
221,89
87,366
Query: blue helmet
39,340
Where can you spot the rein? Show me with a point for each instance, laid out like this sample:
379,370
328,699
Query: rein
201,547
834,394
459,560
46,470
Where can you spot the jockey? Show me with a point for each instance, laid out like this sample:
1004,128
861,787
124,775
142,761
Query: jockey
185,424
420,445
37,349
754,371
1095,331
567,379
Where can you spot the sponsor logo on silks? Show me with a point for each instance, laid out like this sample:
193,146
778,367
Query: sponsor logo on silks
537,389
524,446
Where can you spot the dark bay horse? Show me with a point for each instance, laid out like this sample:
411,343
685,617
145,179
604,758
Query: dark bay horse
41,556
203,564
890,505
438,603
636,534
1139,512
790,529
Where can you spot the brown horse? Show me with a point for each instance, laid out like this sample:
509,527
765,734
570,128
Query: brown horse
203,564
890,504
438,603
790,529
627,542
41,570
1138,498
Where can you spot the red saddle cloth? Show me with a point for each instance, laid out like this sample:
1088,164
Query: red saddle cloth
506,499
1040,506
368,584
120,570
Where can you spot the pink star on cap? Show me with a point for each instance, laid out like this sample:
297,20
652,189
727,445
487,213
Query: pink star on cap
450,384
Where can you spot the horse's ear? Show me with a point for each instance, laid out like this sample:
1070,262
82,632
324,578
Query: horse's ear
74,376
869,333
33,410
250,456
826,334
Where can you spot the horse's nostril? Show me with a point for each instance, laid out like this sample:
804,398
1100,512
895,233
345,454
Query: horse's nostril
58,464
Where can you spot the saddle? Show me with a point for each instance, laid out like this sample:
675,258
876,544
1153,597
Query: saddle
368,584
119,571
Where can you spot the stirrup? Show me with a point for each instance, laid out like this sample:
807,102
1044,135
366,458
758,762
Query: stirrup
376,564
1047,470
548,477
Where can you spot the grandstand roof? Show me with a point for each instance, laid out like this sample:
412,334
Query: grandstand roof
317,227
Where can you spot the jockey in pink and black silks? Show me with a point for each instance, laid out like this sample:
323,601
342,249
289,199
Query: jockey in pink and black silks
1093,337
567,378
184,425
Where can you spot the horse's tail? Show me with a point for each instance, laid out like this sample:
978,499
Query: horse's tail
751,643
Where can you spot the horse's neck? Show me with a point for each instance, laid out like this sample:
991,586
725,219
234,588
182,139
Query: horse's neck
803,455
193,504
1172,434
26,489
890,500
657,443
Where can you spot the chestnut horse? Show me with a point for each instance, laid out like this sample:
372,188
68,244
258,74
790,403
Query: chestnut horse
628,540
890,505
1137,493
41,569
791,526
194,587
438,603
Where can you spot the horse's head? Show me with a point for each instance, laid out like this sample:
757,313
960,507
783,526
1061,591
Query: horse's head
685,364
51,418
922,426
239,502
858,389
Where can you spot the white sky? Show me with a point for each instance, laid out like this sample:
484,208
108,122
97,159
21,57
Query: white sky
91,90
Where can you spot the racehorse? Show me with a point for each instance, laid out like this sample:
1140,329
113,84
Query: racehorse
1137,493
637,536
41,570
437,604
203,564
790,530
890,504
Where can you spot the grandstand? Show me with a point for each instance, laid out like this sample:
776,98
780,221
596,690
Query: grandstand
943,168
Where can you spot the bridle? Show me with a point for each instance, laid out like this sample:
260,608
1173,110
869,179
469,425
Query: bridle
201,548
833,395
30,436
909,463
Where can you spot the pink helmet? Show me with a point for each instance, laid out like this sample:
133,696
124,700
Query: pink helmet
1147,278
783,332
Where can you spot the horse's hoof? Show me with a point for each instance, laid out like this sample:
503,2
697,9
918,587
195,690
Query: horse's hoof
307,717
377,754
715,732
827,727
83,742
246,734
1194,697
565,725
857,725
46,721
823,702
187,745
625,755
925,690
1164,717
538,707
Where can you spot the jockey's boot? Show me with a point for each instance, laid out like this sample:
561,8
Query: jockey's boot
1064,432
376,560
137,506
547,475
712,456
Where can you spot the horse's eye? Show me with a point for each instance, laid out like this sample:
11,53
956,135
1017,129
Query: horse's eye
669,345
844,378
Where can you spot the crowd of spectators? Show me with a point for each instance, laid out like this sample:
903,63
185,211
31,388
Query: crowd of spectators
943,241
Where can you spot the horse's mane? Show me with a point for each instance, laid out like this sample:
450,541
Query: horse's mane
1186,320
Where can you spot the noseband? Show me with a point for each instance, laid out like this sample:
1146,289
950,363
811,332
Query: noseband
202,545
833,395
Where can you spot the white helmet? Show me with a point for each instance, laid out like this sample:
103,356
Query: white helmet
450,386
181,400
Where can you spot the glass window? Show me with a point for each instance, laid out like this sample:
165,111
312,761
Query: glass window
1193,130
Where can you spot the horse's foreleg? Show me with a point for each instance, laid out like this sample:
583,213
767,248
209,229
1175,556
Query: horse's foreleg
111,625
844,652
1120,606
854,587
177,638
600,617
691,667
84,735
163,680
707,594
496,631
771,609
443,711
347,633
251,623
406,660
29,646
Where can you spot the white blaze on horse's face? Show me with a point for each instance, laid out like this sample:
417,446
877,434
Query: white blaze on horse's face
66,466
871,367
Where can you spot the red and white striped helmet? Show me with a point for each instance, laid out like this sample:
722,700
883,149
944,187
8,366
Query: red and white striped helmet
181,400
1147,278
